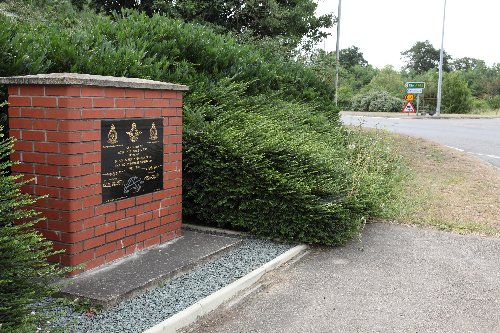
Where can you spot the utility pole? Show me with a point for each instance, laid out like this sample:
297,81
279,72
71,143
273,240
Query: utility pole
440,79
337,57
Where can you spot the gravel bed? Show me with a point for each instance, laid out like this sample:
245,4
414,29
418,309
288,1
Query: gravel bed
156,305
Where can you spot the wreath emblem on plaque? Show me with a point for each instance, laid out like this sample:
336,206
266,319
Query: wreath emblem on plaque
134,133
112,135
153,133
133,184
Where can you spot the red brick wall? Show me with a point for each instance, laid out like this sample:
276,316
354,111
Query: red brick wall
58,133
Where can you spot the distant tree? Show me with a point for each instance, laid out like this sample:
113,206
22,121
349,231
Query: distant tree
422,56
457,97
483,81
467,64
352,80
291,20
352,77
493,86
351,57
389,80
362,75
323,63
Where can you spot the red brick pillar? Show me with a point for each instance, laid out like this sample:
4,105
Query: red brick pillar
58,121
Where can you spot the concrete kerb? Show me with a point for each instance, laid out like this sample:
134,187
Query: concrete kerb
210,303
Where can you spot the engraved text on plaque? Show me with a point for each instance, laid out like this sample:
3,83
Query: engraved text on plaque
131,157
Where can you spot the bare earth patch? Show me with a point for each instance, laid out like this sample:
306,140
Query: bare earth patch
448,189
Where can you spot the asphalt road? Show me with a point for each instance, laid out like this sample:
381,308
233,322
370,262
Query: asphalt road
479,137
404,279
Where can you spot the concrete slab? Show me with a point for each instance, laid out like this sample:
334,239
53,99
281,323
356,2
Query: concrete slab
132,275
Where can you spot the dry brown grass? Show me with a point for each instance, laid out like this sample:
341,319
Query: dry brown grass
449,189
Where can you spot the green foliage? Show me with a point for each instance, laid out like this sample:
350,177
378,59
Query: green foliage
482,80
24,9
160,48
479,105
422,56
354,73
263,147
351,57
494,102
283,171
389,80
457,97
468,64
288,20
25,273
3,113
376,101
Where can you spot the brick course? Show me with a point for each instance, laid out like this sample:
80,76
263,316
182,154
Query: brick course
58,132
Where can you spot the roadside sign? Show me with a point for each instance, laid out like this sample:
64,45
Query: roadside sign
409,97
414,90
420,85
409,108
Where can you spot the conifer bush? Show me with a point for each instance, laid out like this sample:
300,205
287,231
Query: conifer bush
282,171
263,146
25,272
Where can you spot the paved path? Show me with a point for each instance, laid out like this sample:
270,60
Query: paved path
406,279
479,137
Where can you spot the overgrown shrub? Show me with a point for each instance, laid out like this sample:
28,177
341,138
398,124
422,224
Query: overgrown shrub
457,97
376,101
263,147
134,45
479,105
25,272
494,102
283,170
388,80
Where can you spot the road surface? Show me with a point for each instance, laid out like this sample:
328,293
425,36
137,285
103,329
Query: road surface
404,279
479,137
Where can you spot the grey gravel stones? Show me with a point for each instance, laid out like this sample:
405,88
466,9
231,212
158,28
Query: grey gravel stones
156,305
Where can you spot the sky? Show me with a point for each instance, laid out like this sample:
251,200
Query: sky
382,29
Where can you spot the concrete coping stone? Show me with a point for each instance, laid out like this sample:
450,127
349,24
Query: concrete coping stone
91,80
143,270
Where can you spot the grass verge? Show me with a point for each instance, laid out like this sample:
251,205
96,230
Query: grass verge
447,189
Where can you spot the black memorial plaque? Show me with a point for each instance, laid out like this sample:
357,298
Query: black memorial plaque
131,157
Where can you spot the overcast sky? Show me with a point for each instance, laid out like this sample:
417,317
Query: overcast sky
382,29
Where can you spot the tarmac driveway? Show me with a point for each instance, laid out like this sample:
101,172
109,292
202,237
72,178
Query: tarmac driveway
405,279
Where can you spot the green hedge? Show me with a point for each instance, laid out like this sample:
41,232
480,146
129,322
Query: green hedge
263,147
284,170
134,45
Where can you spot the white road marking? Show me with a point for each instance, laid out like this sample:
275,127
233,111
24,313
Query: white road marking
473,153
486,155
461,150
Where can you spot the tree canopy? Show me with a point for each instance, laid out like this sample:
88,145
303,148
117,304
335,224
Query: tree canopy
389,80
351,57
457,97
422,56
467,63
291,20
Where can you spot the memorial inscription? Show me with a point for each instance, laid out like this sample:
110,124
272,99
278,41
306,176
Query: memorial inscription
131,157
